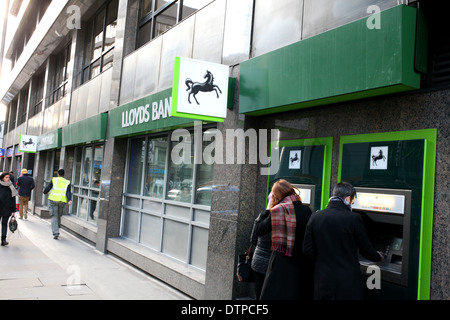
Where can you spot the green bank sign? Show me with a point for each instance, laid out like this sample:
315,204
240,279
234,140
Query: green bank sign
149,114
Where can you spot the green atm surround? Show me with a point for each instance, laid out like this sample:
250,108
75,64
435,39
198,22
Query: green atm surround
422,217
319,176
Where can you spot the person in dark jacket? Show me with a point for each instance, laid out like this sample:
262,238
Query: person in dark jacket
261,256
7,203
25,183
333,237
290,273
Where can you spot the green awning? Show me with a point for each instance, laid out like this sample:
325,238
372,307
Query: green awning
85,131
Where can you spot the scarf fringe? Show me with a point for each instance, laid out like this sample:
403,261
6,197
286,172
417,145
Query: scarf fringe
282,249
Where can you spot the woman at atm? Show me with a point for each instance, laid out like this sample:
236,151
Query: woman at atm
333,237
290,273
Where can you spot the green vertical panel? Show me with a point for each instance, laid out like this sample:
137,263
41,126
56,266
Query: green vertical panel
348,62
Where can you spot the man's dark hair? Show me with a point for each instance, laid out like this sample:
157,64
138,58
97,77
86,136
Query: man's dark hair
61,172
343,190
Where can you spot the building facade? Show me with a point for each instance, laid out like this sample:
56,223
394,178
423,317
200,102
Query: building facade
354,90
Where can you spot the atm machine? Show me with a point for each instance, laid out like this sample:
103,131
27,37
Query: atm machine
386,214
388,176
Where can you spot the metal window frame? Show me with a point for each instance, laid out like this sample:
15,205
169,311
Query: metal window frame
150,17
90,61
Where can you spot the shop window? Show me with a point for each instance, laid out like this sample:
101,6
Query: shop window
86,180
167,201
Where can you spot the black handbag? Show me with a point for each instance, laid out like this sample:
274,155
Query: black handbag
13,224
244,270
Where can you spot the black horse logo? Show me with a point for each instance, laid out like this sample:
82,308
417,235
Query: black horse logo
207,86
294,159
25,143
380,156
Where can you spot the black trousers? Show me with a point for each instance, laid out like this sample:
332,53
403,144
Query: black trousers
4,226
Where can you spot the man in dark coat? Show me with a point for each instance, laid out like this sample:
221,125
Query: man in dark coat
332,238
25,183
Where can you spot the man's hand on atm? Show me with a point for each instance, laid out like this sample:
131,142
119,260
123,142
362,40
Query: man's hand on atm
381,255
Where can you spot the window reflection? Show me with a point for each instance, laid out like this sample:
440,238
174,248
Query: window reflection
166,19
87,160
136,166
100,40
179,184
165,15
156,162
87,175
146,7
205,171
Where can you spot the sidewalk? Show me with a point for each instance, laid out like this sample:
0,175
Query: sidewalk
34,266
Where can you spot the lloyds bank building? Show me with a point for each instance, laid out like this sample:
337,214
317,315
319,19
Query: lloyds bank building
333,90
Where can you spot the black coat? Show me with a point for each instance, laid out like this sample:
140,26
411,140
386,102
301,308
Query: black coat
7,202
25,184
288,278
333,237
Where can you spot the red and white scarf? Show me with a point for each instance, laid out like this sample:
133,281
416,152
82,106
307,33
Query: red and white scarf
283,225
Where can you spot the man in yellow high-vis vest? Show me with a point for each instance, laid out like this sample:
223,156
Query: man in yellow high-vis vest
60,194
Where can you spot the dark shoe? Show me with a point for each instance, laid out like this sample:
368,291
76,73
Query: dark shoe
56,237
4,243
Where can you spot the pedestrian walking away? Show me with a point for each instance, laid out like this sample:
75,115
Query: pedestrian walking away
333,237
290,273
12,179
60,194
25,183
8,195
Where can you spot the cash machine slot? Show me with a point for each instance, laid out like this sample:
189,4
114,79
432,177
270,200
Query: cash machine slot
386,216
